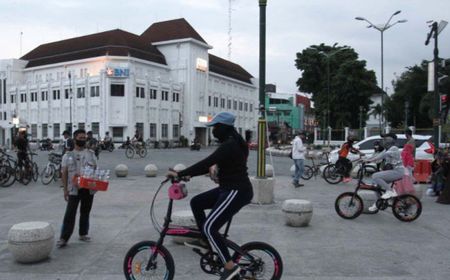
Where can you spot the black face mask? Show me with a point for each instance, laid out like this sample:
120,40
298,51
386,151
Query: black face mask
80,143
220,132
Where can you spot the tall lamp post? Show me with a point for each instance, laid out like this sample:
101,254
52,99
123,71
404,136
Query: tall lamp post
382,28
70,102
261,158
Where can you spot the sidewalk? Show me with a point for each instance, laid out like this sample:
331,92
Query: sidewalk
370,247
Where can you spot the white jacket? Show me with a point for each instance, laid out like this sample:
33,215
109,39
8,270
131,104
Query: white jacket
298,150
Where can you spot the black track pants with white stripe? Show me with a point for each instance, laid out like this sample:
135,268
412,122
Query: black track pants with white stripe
224,204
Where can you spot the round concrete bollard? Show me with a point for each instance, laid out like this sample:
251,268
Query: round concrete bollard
179,167
183,218
369,198
121,170
151,170
269,170
298,212
31,241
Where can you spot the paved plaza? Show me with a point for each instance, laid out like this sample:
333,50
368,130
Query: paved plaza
370,247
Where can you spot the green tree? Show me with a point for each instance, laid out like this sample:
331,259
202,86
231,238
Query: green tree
376,111
351,84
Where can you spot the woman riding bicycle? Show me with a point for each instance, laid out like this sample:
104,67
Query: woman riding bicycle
393,168
234,190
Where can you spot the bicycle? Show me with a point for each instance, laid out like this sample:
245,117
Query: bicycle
314,170
52,171
138,148
152,260
7,171
27,171
405,207
334,174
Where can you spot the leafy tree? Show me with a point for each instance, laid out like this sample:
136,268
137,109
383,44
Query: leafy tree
351,85
377,111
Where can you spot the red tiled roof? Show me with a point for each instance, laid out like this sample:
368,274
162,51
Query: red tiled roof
170,30
227,68
113,42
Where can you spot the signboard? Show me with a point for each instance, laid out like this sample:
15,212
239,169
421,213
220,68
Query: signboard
118,72
202,65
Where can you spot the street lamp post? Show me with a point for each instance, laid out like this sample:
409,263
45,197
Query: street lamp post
261,157
382,28
70,102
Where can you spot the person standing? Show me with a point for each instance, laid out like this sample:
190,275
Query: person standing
298,155
22,149
67,142
410,141
72,163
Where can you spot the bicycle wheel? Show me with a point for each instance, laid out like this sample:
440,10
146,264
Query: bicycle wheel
47,174
266,263
136,260
4,175
331,175
406,208
349,205
11,177
129,152
368,171
22,175
35,171
142,152
308,172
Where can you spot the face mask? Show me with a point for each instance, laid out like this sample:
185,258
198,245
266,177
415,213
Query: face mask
80,143
220,132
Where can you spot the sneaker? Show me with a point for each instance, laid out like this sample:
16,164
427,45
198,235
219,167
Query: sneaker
61,243
389,194
84,238
199,244
295,184
229,274
373,208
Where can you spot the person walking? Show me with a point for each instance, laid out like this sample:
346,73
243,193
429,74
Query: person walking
72,164
298,156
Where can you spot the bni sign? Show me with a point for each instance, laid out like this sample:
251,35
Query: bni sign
118,72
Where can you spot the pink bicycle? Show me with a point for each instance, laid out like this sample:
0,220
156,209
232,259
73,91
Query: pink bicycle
151,260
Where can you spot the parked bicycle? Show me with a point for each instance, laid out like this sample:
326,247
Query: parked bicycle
7,169
314,170
136,148
334,174
52,171
405,207
152,260
27,171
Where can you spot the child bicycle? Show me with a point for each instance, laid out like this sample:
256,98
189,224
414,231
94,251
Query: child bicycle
151,260
334,173
405,207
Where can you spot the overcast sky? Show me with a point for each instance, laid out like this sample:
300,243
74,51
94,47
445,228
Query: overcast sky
292,25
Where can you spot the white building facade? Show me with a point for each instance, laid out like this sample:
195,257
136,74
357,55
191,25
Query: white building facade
163,83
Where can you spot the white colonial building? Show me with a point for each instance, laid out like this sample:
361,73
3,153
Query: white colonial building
163,82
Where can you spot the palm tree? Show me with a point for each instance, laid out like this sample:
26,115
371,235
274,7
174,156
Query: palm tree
377,111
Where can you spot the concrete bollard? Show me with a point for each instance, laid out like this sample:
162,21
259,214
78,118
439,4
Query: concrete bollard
262,190
183,218
151,170
121,170
269,170
31,241
178,167
369,198
298,212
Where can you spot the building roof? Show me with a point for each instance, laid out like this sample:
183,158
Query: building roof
227,68
170,30
114,42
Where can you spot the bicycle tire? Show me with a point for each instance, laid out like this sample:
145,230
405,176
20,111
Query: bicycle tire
406,200
308,172
142,152
12,177
368,171
355,203
331,176
35,170
4,175
129,152
47,174
133,268
246,266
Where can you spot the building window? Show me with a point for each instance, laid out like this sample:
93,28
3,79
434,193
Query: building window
34,131
234,105
81,92
56,94
117,90
117,133
165,95
153,130
216,101
44,95
140,127
66,93
140,92
44,130
240,105
164,130
68,127
209,101
175,97
229,104
81,125
33,96
95,91
153,93
5,116
222,103
246,106
251,107
176,131
13,99
56,131
95,128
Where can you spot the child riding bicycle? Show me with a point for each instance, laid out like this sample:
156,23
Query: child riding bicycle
343,162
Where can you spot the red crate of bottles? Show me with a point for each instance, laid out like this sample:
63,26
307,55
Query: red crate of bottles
92,184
